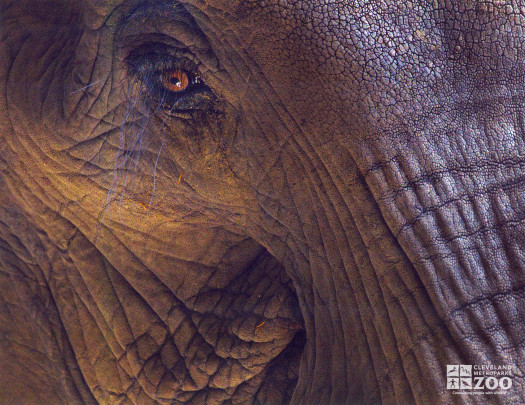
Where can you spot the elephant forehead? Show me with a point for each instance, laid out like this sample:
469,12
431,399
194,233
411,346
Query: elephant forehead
372,52
365,55
366,27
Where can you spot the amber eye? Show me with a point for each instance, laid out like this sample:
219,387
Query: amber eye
175,80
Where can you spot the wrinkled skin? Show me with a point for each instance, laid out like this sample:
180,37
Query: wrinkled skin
341,220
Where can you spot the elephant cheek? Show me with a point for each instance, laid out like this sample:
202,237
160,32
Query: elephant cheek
178,330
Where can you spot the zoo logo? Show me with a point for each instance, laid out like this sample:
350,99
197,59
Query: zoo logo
460,377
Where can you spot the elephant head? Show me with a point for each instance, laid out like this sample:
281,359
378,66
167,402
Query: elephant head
234,201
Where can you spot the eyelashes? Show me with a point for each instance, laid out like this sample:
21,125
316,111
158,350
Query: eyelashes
172,80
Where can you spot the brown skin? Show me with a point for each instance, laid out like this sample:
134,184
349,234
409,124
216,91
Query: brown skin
342,220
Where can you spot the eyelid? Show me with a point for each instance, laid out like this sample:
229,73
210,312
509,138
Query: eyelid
153,57
151,64
156,22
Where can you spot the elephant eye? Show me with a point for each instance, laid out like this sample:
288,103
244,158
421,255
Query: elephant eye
180,90
176,80
172,81
179,80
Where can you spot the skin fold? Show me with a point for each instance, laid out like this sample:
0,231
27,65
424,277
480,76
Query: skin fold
331,213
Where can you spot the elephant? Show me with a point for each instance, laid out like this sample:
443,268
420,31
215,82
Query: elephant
275,201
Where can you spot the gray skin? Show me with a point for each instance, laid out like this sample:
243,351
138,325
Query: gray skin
337,216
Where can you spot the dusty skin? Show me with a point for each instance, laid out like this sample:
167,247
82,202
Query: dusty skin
260,202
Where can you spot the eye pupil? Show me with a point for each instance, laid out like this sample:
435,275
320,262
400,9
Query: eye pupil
175,80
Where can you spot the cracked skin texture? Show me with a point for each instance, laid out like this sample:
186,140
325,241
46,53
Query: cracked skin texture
345,221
